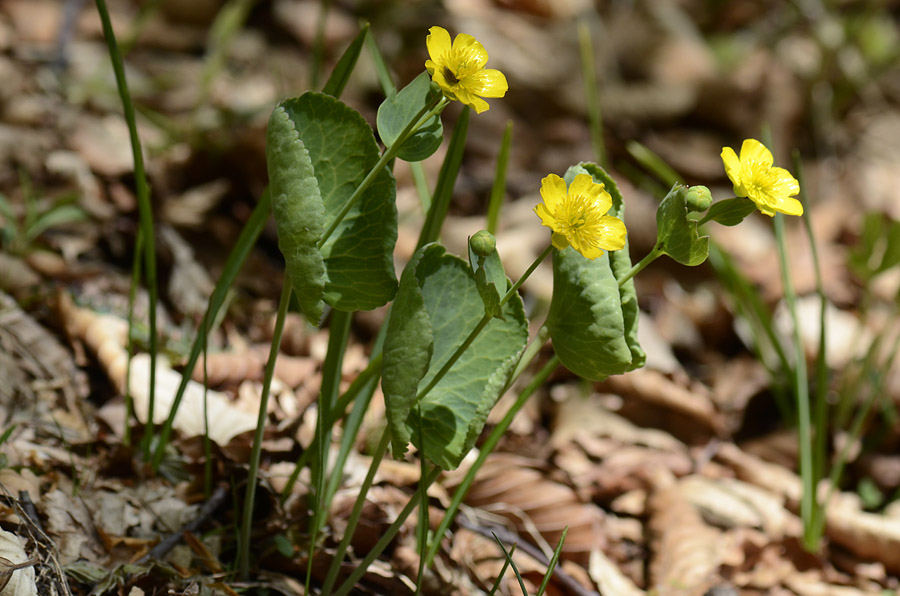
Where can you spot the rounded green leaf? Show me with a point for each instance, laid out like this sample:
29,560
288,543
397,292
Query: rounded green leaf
437,306
592,321
395,113
676,233
730,212
298,210
358,257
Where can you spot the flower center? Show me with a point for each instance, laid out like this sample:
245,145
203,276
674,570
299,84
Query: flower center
450,77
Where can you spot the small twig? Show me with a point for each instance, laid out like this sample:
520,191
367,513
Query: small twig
514,540
169,542
30,510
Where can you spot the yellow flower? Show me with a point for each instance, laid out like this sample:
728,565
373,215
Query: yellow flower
578,216
753,176
459,71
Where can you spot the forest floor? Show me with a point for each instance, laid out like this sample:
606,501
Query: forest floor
678,478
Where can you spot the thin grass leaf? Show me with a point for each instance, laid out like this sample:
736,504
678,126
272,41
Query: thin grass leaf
336,82
256,451
512,563
653,163
498,191
233,264
503,569
552,565
589,76
338,335
820,403
385,539
443,192
145,210
56,216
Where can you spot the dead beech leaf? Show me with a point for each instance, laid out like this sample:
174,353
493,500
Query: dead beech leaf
609,579
656,388
509,486
15,579
686,551
105,336
731,503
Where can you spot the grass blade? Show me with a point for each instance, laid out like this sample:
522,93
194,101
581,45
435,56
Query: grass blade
242,247
145,210
498,191
553,560
443,192
335,84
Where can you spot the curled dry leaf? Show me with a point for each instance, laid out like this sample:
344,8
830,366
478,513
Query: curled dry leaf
16,572
686,551
654,387
730,503
511,487
105,335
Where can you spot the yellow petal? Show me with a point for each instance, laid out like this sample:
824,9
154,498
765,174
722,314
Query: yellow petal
438,44
581,185
468,50
430,66
613,233
553,191
790,206
733,170
462,94
588,251
755,152
785,183
547,218
487,83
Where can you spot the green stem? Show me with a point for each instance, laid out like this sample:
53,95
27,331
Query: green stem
428,110
385,539
491,442
331,377
480,326
355,513
809,500
250,494
651,256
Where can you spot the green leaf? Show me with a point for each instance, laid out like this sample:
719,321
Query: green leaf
730,212
592,321
344,68
490,278
437,306
677,234
298,210
358,257
396,112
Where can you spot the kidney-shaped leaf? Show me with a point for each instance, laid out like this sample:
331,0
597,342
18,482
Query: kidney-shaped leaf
299,212
436,308
592,321
341,150
395,113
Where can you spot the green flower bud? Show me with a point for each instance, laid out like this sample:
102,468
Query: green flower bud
483,243
698,198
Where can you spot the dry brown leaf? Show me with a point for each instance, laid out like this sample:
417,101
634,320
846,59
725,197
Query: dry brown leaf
511,487
105,336
686,551
694,402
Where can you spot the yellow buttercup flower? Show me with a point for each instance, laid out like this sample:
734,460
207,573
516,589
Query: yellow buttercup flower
578,216
459,71
754,177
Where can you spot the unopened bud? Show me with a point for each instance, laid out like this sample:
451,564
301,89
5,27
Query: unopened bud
698,198
483,243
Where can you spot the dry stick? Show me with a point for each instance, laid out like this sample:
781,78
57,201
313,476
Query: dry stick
169,542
